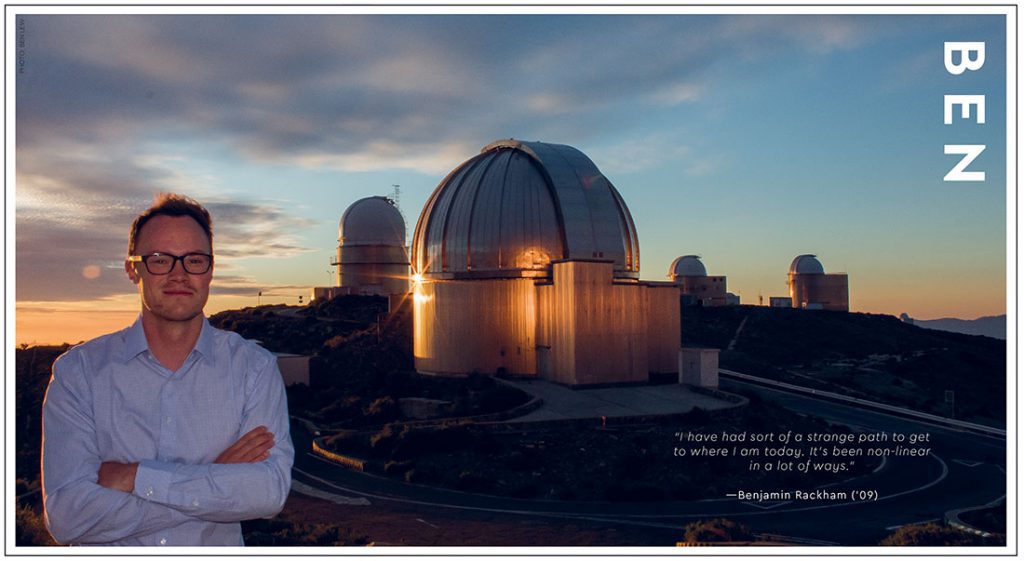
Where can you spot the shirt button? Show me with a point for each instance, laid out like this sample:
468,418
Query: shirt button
195,502
163,541
149,491
167,420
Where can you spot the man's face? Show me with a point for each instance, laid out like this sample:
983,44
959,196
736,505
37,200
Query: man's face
177,296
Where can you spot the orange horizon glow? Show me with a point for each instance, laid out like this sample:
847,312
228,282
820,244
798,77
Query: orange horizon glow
57,323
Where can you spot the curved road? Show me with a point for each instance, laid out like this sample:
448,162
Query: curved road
964,470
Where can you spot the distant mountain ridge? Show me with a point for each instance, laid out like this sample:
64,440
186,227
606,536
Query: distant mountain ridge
989,326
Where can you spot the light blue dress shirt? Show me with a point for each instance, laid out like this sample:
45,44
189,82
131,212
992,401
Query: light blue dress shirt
110,400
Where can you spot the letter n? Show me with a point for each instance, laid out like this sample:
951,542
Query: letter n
970,152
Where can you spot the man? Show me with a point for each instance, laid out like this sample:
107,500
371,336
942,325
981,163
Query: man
168,432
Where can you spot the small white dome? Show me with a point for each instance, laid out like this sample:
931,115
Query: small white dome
806,264
687,266
372,221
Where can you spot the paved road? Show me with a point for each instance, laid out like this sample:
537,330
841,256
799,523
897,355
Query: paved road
964,470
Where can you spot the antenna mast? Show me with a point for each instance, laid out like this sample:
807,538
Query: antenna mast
396,193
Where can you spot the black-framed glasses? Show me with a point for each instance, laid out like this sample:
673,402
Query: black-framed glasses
163,263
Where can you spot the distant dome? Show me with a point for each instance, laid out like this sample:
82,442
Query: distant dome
516,207
372,221
806,265
687,266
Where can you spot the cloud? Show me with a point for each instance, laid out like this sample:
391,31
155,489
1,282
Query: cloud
763,35
344,90
675,94
247,229
71,244
104,97
646,151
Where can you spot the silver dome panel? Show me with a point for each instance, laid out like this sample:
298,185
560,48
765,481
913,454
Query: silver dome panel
518,206
687,266
806,264
372,221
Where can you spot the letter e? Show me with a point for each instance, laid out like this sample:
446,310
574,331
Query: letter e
948,101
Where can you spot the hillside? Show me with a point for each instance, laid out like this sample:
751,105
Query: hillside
989,326
304,329
863,355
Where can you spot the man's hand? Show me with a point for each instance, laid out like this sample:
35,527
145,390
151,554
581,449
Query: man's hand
254,446
118,476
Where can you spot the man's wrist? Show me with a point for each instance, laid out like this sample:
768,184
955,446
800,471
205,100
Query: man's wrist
118,476
153,478
131,471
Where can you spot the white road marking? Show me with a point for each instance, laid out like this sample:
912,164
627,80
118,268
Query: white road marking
795,540
898,526
766,505
309,490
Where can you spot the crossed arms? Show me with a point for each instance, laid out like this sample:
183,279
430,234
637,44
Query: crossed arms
90,499
254,446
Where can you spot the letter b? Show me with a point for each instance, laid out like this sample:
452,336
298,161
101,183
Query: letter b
966,62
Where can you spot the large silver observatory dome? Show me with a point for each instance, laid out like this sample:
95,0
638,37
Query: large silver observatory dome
806,264
687,266
516,207
372,221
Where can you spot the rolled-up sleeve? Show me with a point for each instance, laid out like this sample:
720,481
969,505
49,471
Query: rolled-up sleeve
77,509
231,492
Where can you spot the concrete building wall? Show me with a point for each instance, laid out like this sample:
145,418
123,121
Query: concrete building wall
663,324
581,327
486,326
698,367
820,291
710,290
373,269
326,292
780,301
294,368
592,330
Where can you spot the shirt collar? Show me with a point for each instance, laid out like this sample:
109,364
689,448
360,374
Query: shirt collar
204,345
135,340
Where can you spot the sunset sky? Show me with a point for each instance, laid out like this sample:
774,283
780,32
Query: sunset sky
744,139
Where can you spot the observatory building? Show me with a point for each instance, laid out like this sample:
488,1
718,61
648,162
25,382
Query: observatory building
689,274
811,288
372,258
525,262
